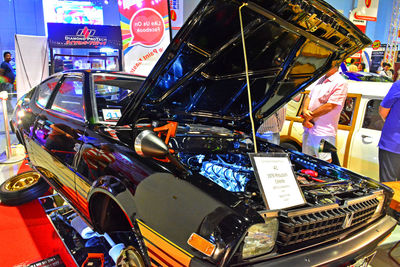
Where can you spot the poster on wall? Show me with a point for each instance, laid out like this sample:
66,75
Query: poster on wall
376,59
176,9
145,29
74,12
367,10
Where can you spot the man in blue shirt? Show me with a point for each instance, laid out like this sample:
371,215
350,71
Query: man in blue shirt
9,73
389,144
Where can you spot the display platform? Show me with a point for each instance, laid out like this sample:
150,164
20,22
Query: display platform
48,232
27,236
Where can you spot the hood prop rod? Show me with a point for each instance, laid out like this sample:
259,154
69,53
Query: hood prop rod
247,79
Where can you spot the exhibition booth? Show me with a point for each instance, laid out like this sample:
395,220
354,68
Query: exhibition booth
82,46
127,147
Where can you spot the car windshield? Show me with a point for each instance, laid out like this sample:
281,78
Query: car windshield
109,95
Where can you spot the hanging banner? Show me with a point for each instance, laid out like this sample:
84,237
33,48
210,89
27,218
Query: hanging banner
361,24
145,33
376,60
367,10
176,8
32,59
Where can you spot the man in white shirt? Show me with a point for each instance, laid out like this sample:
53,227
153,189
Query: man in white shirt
321,112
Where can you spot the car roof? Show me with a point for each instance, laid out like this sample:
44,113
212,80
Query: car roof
376,89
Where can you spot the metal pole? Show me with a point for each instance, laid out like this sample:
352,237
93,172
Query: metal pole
9,158
4,98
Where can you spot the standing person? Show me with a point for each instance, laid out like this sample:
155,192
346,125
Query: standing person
386,70
272,126
361,67
352,67
9,73
389,144
321,112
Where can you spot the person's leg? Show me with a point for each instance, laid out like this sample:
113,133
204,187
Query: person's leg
389,166
309,146
327,156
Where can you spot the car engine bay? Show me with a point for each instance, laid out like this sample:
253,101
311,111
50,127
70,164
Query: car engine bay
222,157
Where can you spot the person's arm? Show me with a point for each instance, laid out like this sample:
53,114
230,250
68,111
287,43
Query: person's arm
383,112
306,112
388,101
322,110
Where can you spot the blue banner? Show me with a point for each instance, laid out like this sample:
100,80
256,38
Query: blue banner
83,36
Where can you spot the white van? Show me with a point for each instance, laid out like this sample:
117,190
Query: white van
359,127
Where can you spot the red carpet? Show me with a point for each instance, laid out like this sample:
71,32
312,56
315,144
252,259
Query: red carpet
27,236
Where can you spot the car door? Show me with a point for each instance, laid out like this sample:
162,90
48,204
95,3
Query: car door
59,130
27,119
364,147
101,154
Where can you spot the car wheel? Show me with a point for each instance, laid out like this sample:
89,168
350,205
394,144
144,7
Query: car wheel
289,146
130,257
22,188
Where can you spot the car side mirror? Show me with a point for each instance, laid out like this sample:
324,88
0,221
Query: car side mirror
148,144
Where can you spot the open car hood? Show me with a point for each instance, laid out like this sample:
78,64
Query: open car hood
201,76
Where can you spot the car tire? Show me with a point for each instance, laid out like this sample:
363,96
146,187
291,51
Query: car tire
22,188
289,146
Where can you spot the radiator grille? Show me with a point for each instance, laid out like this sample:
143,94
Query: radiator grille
301,228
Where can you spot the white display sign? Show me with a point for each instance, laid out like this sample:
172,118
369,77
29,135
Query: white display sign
367,10
111,114
277,181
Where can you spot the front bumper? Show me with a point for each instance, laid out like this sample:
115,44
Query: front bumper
343,252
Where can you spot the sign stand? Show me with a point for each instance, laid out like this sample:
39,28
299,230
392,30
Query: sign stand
9,158
277,182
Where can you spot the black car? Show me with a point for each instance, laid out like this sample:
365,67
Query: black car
171,158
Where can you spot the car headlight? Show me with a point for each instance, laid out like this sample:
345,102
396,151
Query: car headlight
260,238
381,198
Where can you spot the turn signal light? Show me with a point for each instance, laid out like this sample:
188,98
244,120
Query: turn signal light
201,244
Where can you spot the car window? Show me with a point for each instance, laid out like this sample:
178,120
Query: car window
294,105
45,90
346,115
110,92
69,98
372,119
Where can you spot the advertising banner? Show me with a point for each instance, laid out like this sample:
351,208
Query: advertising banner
367,10
146,33
74,12
376,59
176,9
361,24
32,59
83,36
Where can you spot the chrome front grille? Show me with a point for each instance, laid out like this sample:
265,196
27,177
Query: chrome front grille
298,227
